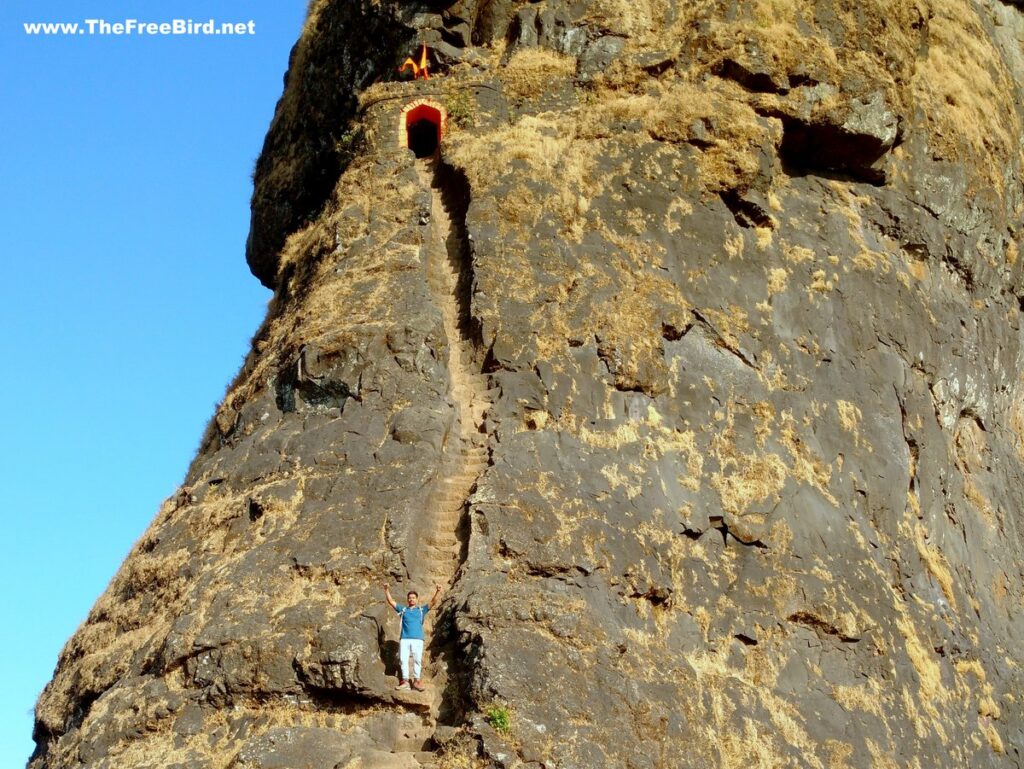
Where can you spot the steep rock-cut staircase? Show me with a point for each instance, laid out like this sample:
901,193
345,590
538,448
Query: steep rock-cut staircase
442,532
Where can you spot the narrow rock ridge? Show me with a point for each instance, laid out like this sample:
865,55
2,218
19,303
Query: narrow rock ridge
442,533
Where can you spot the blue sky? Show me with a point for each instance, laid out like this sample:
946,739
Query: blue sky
127,304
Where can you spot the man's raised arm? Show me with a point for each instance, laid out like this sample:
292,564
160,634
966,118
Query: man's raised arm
433,600
387,595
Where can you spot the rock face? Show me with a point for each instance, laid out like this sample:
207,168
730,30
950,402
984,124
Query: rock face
691,368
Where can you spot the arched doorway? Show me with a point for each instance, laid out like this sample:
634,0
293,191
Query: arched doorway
422,127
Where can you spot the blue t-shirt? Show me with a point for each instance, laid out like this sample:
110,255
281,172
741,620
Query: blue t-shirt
412,620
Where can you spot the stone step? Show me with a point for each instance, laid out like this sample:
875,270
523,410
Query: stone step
458,489
453,487
434,568
445,519
443,536
443,539
464,476
441,554
450,503
450,510
453,506
452,495
464,393
440,542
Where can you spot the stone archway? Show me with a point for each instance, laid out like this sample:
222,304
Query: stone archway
422,127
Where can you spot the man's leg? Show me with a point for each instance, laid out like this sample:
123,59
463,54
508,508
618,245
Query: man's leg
404,647
417,661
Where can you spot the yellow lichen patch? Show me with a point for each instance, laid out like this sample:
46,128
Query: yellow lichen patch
964,90
988,709
628,17
978,500
872,261
748,478
867,698
994,740
881,758
757,744
744,479
677,209
632,323
797,254
617,479
838,754
764,415
734,245
729,157
1000,589
928,670
918,269
804,466
684,444
821,283
532,71
764,236
849,417
936,563
554,156
729,323
972,667
1017,418
778,277
772,375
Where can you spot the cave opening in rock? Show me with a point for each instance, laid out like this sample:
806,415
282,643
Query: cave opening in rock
424,127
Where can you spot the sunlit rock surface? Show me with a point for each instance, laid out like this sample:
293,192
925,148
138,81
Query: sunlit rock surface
691,369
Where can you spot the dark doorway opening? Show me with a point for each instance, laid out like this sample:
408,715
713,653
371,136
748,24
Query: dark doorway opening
423,137
423,129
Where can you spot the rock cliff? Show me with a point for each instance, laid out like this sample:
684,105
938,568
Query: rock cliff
690,367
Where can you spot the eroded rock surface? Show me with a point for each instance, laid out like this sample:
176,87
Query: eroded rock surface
692,368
